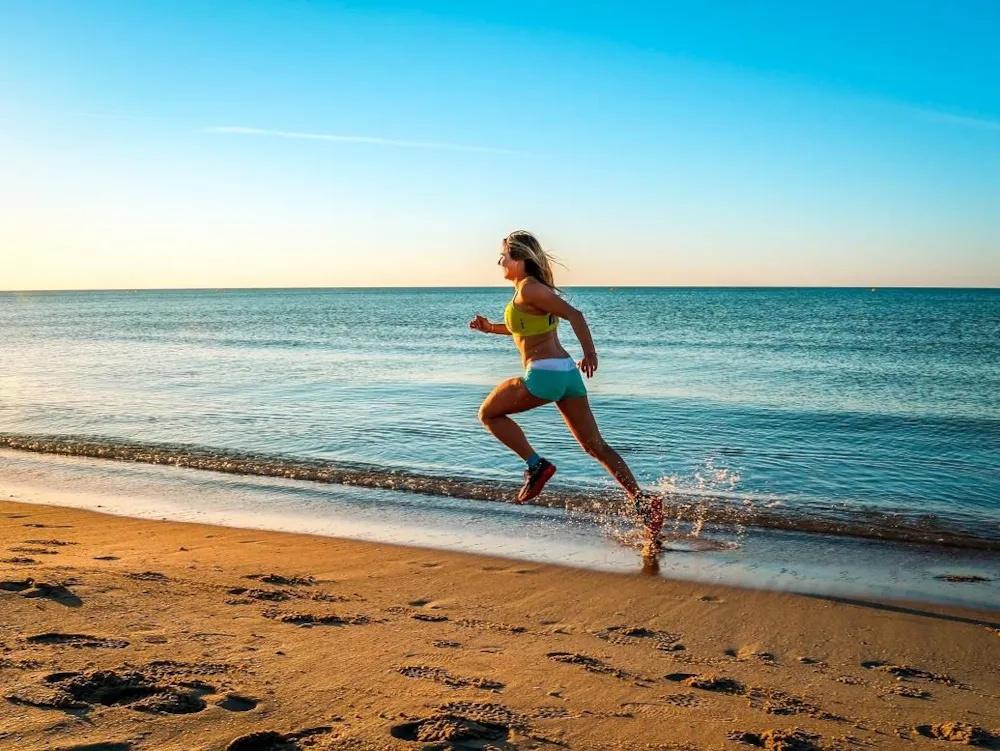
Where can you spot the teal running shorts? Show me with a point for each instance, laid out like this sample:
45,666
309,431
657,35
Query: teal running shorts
554,379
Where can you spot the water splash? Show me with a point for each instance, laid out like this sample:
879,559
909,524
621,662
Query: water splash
689,504
694,501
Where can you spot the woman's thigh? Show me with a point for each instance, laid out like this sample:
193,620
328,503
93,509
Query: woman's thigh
508,398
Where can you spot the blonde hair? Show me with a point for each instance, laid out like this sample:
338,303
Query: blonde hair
521,245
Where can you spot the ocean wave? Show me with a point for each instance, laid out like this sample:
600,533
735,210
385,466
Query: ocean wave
682,509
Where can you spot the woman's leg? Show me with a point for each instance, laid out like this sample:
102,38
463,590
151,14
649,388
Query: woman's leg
580,420
649,508
508,398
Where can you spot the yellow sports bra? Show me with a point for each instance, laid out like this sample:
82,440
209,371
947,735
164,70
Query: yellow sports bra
520,323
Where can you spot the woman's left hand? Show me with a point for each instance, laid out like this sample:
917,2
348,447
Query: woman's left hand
588,365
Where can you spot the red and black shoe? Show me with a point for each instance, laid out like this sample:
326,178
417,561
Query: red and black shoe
535,479
649,509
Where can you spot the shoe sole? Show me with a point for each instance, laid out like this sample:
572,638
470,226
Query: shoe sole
537,487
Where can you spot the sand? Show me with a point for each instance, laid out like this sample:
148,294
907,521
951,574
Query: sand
119,634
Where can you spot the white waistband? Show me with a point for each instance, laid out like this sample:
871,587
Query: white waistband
555,363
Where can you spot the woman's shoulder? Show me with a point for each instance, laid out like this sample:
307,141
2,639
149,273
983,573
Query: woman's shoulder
532,287
530,282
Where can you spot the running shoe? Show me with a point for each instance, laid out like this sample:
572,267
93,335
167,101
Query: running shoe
535,479
649,509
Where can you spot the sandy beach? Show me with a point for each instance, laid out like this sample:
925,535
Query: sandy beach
121,634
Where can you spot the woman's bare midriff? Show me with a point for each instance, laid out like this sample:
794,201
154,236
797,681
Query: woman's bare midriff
539,347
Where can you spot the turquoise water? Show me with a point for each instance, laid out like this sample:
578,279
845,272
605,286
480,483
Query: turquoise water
859,410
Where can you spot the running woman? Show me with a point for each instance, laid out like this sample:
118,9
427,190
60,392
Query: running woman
550,375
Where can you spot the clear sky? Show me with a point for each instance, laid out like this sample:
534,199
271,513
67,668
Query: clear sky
169,143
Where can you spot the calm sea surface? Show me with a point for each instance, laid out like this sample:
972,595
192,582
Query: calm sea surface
872,409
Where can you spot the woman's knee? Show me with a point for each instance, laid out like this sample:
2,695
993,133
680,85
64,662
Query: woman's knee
485,414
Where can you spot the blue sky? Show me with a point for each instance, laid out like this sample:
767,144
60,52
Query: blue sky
207,144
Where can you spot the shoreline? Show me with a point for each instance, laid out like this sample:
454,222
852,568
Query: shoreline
691,510
755,559
341,644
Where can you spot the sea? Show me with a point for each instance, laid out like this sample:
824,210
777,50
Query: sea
838,442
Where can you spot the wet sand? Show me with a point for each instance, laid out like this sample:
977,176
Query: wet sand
120,634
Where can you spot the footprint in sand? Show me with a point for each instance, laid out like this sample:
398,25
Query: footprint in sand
593,665
32,550
327,597
746,654
50,543
238,703
148,576
267,740
851,680
429,617
57,677
687,701
683,700
6,663
77,641
908,692
768,700
270,740
440,675
717,683
628,635
792,740
283,581
453,730
959,732
134,689
267,595
174,667
312,619
490,626
49,526
495,713
429,603
908,671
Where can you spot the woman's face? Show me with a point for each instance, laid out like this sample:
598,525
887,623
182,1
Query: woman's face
511,269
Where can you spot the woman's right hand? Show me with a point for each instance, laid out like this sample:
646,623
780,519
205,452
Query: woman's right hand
480,323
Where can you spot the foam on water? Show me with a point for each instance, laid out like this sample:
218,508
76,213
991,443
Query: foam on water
780,560
683,508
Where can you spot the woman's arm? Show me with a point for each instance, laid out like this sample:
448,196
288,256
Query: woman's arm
481,323
544,298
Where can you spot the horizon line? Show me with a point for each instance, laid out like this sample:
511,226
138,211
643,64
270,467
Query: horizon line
503,286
